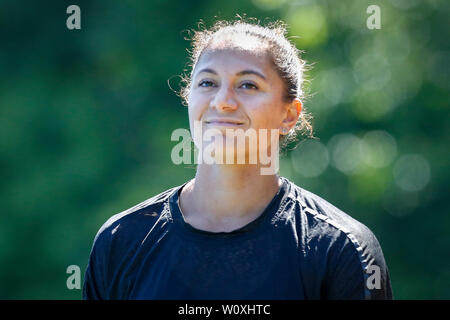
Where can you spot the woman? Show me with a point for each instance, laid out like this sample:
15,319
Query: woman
233,232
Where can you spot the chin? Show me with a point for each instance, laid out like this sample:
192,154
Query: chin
237,154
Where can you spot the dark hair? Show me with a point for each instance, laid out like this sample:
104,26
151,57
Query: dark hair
283,54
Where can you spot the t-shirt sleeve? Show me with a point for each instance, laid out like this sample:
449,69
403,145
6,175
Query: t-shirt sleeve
94,287
357,270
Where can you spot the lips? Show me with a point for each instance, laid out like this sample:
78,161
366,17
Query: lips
224,122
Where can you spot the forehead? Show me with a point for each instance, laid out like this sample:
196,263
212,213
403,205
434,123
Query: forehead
236,59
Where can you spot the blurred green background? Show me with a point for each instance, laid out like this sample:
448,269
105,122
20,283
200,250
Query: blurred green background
86,117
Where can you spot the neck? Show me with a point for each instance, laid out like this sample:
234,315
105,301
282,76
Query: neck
222,193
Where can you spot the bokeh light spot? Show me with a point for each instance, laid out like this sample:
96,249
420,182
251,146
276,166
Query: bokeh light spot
412,172
378,149
309,23
310,159
372,71
345,152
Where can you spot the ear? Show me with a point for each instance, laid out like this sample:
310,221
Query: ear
294,109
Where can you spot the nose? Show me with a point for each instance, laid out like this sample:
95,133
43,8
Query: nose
224,100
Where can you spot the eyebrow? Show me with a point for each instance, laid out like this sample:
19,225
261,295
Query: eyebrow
240,73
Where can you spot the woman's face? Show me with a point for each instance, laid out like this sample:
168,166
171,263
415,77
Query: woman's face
236,89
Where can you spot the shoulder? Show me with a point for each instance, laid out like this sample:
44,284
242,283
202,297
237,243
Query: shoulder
132,224
341,250
327,221
118,239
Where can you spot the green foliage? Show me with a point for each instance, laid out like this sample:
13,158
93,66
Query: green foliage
86,117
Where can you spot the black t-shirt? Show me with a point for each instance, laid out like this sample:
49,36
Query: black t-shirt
300,247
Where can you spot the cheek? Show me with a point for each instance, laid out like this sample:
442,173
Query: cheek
197,105
196,110
265,116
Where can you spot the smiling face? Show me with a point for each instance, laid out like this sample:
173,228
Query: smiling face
236,89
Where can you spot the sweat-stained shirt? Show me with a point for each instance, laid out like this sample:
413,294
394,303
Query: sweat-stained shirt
300,247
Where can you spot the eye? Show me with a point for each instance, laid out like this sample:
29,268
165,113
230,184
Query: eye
206,83
249,85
